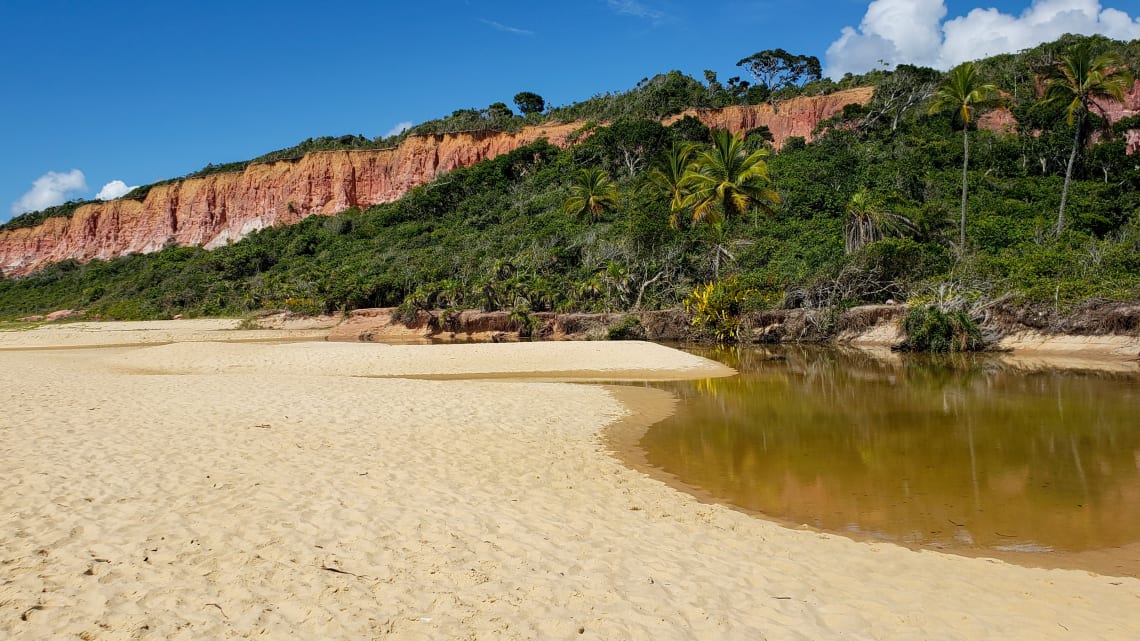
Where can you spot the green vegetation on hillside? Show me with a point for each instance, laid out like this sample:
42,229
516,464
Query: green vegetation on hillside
34,218
643,216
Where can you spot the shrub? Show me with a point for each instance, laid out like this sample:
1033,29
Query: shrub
717,308
304,305
407,312
929,329
524,322
628,329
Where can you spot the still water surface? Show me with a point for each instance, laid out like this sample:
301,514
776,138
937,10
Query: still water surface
951,452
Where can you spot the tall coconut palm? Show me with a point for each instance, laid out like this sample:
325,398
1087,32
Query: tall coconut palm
591,194
727,181
1078,80
964,92
668,176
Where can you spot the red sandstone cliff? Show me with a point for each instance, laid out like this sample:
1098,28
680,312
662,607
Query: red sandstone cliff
216,209
1002,121
795,117
1115,111
213,210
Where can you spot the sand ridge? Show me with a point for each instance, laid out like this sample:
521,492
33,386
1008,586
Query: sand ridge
121,333
628,360
280,491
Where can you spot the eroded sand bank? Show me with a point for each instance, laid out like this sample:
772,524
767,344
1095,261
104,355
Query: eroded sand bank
212,490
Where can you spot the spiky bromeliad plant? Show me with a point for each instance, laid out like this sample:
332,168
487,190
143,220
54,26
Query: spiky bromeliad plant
717,308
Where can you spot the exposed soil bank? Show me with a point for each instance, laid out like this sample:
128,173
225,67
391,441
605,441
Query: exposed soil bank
1096,330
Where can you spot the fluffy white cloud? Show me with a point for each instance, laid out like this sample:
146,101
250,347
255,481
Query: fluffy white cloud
400,128
49,190
114,189
915,32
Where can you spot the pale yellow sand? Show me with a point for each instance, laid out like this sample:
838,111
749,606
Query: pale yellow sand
218,491
87,334
1120,347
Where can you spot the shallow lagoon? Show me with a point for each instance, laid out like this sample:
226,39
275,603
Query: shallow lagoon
965,452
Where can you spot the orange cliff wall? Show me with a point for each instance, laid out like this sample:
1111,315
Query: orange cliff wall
795,117
1115,111
1002,121
213,210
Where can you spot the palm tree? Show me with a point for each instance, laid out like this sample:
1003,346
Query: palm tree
727,181
964,92
591,194
1078,80
868,221
670,174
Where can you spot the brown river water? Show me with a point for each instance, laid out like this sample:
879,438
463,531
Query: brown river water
963,453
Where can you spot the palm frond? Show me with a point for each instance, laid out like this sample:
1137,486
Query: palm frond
727,181
592,193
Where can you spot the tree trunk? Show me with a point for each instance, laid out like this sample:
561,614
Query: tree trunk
965,166
641,290
1069,174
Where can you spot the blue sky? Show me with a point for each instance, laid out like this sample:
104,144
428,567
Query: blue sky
139,91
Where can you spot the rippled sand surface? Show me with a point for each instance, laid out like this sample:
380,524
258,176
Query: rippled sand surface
213,490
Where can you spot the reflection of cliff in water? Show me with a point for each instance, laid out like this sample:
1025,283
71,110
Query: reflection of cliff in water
943,451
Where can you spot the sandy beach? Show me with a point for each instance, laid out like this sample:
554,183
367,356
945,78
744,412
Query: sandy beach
190,480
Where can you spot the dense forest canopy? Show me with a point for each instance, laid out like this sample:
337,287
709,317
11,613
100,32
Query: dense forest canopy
902,199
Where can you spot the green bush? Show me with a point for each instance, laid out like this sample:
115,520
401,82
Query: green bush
717,308
304,306
929,329
628,329
524,322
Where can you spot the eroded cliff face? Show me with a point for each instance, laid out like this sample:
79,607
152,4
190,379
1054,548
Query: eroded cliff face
214,210
1002,121
1115,111
795,117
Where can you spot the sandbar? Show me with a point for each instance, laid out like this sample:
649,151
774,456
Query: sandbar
200,488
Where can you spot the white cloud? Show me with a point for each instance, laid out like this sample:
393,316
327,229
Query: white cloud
114,189
914,32
635,9
49,190
400,128
507,28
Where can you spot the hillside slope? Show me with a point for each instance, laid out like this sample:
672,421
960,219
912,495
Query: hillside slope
213,210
